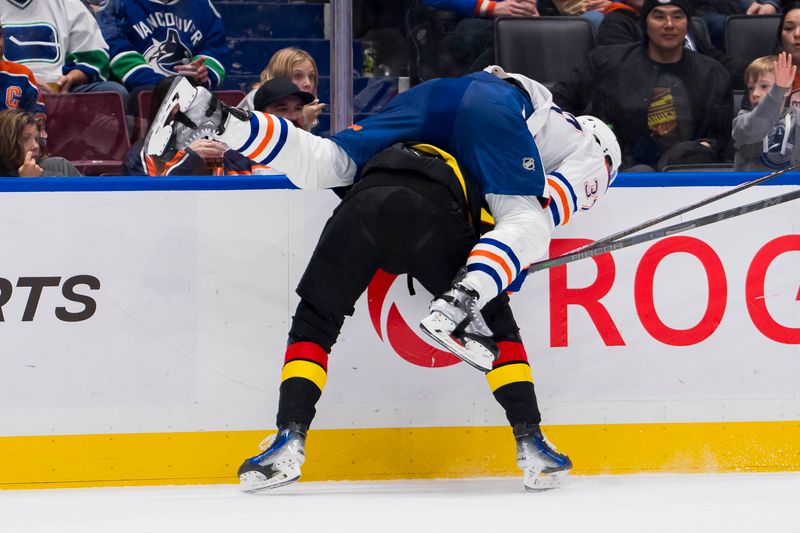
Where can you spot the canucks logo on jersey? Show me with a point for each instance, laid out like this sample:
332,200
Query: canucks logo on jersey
32,43
776,152
164,55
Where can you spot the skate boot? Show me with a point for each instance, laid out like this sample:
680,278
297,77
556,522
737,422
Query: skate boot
543,466
456,323
279,463
187,113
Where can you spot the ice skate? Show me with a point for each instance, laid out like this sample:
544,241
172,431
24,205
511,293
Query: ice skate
543,467
456,323
279,463
187,113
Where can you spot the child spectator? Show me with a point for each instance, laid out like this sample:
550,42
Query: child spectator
149,40
21,151
767,136
59,40
298,66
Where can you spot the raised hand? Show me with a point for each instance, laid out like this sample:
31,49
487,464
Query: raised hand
29,168
784,71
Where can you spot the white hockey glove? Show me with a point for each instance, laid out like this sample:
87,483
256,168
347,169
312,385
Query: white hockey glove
456,323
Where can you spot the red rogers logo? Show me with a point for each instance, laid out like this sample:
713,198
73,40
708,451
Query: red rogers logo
401,337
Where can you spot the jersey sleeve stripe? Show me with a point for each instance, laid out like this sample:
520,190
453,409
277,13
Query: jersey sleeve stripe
281,141
496,259
486,269
505,249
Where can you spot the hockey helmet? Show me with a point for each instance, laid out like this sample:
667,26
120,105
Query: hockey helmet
607,141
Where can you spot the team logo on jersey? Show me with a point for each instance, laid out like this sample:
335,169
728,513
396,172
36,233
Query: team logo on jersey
528,163
22,4
397,333
164,56
31,43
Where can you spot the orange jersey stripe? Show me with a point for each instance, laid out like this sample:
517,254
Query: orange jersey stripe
497,259
267,138
563,196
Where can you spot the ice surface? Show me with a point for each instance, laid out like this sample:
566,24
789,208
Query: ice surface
651,503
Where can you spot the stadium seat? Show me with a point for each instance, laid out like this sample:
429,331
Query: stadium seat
546,49
88,129
699,28
142,121
749,37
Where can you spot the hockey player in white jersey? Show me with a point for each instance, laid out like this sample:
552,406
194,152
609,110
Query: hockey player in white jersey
534,167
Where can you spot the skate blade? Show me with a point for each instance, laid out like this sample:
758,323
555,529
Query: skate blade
255,482
438,328
537,482
181,93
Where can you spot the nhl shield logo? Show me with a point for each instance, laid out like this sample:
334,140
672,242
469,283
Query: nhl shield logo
22,4
528,163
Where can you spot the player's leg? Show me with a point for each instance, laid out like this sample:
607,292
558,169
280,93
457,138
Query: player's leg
188,113
511,383
340,268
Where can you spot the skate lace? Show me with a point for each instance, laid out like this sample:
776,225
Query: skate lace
267,442
548,443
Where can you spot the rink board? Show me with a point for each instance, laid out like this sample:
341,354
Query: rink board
143,331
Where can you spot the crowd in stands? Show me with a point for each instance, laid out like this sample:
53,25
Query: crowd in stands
663,82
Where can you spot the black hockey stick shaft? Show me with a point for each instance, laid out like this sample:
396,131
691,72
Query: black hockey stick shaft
678,212
611,246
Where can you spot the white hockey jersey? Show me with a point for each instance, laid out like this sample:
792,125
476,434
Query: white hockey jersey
52,37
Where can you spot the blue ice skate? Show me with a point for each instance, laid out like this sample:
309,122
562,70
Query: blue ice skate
279,463
543,466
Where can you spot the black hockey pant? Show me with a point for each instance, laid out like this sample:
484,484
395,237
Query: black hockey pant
403,224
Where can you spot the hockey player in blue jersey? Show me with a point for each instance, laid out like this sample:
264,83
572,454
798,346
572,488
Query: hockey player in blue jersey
532,165
151,39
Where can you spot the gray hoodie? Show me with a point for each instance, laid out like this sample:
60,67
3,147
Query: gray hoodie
767,138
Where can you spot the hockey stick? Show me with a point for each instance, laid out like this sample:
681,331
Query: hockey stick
691,207
607,245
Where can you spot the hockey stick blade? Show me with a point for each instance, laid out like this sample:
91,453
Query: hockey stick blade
605,246
678,212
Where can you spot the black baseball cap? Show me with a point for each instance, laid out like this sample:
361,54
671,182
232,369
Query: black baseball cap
278,88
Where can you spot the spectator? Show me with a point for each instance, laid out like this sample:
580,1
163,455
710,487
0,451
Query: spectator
18,87
470,46
767,136
789,36
593,10
21,151
150,40
622,25
298,66
59,40
669,105
715,12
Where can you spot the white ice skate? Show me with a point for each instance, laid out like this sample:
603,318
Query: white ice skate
457,325
279,464
542,466
187,113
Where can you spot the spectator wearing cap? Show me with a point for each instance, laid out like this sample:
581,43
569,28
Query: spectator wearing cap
668,105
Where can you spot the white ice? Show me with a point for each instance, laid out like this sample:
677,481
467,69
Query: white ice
655,503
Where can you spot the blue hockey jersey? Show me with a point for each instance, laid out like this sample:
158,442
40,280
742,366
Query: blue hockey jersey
18,89
147,39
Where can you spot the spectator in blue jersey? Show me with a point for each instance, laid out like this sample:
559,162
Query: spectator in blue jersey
149,40
18,86
59,40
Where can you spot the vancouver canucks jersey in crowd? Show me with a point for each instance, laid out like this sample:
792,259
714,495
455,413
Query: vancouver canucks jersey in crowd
149,38
52,37
18,89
